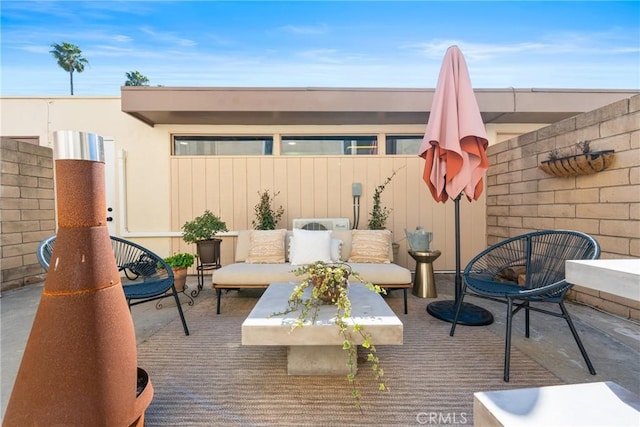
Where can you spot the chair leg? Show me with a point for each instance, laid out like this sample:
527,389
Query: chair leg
219,294
179,305
406,310
455,318
526,319
585,356
507,340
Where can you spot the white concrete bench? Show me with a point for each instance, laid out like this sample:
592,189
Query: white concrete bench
619,277
592,404
316,348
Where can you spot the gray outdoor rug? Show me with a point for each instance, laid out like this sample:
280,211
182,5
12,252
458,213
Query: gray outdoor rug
209,378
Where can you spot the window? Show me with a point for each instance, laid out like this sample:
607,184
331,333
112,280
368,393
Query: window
329,145
222,145
404,144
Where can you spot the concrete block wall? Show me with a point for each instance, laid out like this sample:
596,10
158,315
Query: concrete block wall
606,205
27,209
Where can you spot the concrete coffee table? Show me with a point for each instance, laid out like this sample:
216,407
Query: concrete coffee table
316,349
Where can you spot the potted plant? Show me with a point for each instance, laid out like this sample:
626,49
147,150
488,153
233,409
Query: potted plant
267,216
379,214
179,263
201,231
329,285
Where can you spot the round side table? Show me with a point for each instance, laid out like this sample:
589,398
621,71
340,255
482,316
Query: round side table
424,282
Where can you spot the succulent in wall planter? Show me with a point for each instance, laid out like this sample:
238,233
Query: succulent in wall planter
179,263
267,216
329,286
586,162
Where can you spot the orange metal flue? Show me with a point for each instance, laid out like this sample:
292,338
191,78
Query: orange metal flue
80,362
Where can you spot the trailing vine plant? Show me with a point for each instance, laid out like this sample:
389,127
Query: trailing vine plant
379,214
328,284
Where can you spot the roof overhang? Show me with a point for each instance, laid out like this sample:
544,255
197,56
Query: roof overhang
335,106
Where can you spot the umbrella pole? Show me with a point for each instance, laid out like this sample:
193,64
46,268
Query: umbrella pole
470,314
458,279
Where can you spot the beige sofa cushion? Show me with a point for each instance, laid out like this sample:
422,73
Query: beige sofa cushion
243,273
382,273
264,274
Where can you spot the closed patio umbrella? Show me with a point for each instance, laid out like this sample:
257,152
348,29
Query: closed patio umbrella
454,148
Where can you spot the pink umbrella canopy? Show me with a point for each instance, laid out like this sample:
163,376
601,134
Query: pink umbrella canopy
455,141
454,148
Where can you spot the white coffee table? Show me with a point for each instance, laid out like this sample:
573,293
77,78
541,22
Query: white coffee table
316,349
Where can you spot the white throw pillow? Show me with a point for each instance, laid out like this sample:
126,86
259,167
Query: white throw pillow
336,250
308,247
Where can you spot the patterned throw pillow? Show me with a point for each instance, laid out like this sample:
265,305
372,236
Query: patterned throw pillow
266,247
370,246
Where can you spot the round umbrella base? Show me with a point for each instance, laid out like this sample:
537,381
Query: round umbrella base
470,315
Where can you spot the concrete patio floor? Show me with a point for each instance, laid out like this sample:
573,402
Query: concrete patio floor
612,343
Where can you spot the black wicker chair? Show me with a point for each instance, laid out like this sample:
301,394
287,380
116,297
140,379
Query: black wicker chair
528,269
149,276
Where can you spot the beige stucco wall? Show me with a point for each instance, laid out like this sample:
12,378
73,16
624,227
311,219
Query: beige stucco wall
160,192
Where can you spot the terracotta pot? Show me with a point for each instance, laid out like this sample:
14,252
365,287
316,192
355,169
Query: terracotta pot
332,294
179,278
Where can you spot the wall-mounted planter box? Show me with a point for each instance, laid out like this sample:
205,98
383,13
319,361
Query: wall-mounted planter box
580,164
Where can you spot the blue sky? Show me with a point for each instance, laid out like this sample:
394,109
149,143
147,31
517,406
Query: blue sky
583,45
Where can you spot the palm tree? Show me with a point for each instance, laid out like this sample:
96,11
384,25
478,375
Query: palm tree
69,58
135,78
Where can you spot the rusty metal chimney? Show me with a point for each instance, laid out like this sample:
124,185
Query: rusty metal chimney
80,363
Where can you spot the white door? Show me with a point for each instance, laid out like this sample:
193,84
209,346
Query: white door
110,183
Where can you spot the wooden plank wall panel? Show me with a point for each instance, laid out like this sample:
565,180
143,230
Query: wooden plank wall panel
344,167
255,183
212,190
307,188
321,187
292,195
237,192
280,186
337,192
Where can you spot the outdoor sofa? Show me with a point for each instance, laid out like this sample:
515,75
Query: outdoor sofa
265,257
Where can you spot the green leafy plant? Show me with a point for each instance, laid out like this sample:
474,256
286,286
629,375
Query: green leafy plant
328,284
203,227
379,214
180,260
267,216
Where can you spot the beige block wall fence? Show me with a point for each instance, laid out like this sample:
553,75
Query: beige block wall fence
27,210
606,205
